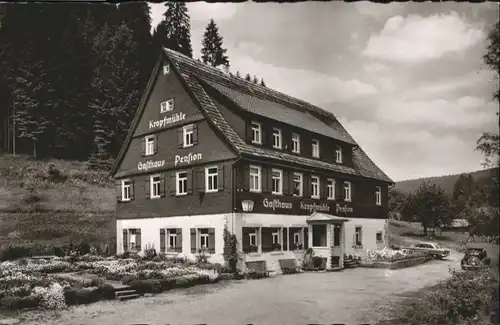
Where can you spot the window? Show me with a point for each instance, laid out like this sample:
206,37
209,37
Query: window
276,237
379,236
319,235
150,145
347,191
188,135
155,186
167,106
295,143
126,190
249,239
277,181
255,179
315,148
253,239
336,235
131,240
297,184
256,133
338,155
172,239
181,183
276,138
358,240
211,174
331,189
166,68
203,238
296,238
378,195
315,187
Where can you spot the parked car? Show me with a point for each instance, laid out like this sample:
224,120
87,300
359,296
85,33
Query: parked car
432,249
474,258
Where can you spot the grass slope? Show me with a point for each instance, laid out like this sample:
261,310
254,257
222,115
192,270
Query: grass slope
446,182
54,202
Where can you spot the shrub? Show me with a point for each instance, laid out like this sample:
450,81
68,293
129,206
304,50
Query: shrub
14,252
167,284
107,291
14,302
149,253
231,253
51,297
146,286
70,296
87,295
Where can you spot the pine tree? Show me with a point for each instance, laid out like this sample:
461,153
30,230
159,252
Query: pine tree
255,80
238,75
174,31
212,52
248,77
262,83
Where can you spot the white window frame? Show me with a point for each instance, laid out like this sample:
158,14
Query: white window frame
378,195
295,143
277,236
188,133
131,243
211,179
358,234
315,144
252,238
315,180
381,236
149,142
280,181
203,238
256,132
166,68
177,180
257,177
331,189
347,191
301,187
154,185
338,154
126,189
167,106
169,236
296,238
277,139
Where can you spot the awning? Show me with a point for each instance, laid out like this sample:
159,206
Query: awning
323,217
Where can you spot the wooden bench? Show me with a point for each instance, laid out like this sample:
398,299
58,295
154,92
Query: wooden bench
258,269
289,266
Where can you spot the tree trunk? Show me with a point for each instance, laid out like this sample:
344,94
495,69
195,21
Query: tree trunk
34,149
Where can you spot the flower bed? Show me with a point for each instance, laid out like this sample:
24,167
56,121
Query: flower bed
32,283
391,255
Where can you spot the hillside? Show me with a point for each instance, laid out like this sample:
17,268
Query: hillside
54,202
446,182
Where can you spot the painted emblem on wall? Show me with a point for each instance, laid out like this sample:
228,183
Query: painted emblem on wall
174,118
187,159
150,164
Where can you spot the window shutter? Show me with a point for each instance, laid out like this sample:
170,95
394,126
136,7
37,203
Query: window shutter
285,181
211,240
118,186
306,185
352,192
195,134
291,185
249,133
193,240
220,177
163,181
143,146
178,242
199,180
147,188
339,190
132,184
264,180
155,143
138,240
268,134
190,181
323,182
162,240
244,173
180,134
354,237
245,240
125,240
284,241
306,238
172,186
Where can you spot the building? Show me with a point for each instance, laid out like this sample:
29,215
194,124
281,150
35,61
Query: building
207,150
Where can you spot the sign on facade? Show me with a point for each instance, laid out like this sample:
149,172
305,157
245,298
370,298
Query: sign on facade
174,118
150,165
187,159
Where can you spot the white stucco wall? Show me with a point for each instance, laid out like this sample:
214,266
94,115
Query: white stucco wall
368,230
150,232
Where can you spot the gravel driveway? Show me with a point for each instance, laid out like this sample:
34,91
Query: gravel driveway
339,297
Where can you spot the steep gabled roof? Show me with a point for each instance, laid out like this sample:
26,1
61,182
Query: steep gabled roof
198,76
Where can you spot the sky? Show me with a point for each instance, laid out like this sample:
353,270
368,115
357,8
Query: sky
406,80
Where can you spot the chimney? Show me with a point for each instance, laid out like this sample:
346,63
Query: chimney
224,68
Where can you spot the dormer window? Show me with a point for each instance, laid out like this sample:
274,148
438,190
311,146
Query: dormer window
338,155
150,145
166,68
256,133
295,143
378,195
315,148
167,106
347,191
276,138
